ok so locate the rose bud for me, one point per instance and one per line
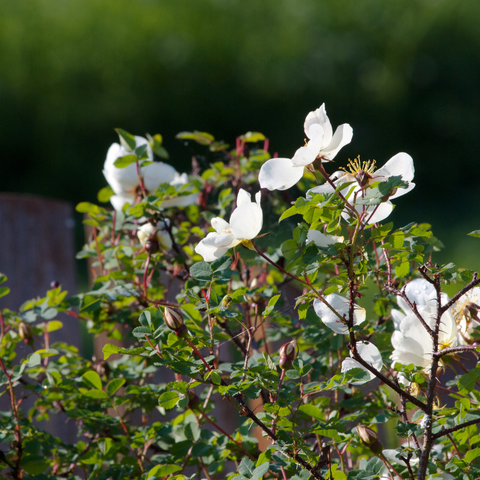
(25, 333)
(174, 321)
(288, 353)
(370, 438)
(193, 400)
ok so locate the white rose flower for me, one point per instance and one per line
(341, 306)
(413, 344)
(125, 183)
(283, 173)
(245, 223)
(363, 175)
(370, 353)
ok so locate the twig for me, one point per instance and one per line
(447, 431)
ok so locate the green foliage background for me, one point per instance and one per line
(405, 75)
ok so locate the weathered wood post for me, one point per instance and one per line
(37, 248)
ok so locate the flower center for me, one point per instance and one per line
(362, 171)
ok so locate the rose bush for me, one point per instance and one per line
(303, 317)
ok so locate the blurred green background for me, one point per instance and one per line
(404, 74)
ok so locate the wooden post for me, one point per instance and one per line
(37, 248)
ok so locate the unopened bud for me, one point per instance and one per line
(54, 284)
(257, 298)
(288, 353)
(370, 438)
(226, 301)
(193, 400)
(174, 321)
(25, 331)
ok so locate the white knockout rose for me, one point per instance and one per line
(284, 173)
(126, 185)
(245, 223)
(362, 175)
(340, 305)
(370, 353)
(155, 234)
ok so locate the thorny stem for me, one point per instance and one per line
(199, 355)
(140, 179)
(448, 431)
(97, 248)
(412, 305)
(280, 381)
(329, 180)
(460, 348)
(475, 281)
(388, 465)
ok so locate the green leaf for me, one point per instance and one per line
(472, 455)
(168, 400)
(123, 162)
(34, 359)
(140, 332)
(202, 138)
(402, 269)
(253, 137)
(201, 270)
(192, 431)
(221, 263)
(145, 318)
(92, 379)
(312, 411)
(475, 233)
(54, 325)
(271, 304)
(3, 278)
(33, 465)
(97, 394)
(467, 381)
(163, 470)
(246, 467)
(260, 471)
(288, 213)
(114, 385)
(126, 139)
(216, 378)
(104, 194)
(4, 291)
(90, 208)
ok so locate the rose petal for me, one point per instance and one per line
(279, 174)
(220, 225)
(157, 173)
(342, 136)
(208, 252)
(243, 197)
(341, 306)
(246, 221)
(318, 117)
(322, 240)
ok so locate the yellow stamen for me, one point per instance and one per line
(355, 166)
